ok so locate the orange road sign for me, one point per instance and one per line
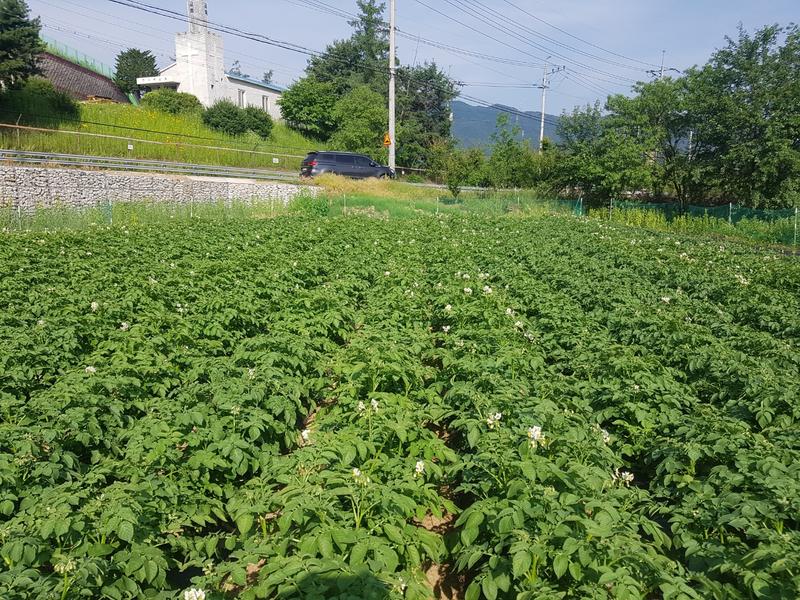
(387, 140)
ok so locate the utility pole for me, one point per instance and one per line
(663, 56)
(544, 86)
(392, 84)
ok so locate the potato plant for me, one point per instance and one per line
(546, 407)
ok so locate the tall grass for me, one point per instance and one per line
(144, 125)
(132, 214)
(776, 231)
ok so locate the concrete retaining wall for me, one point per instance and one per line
(29, 188)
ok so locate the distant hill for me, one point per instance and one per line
(473, 125)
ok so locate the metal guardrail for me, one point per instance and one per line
(24, 157)
(139, 165)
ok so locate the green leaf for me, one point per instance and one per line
(393, 533)
(473, 591)
(325, 545)
(560, 564)
(125, 531)
(358, 553)
(473, 436)
(489, 587)
(521, 564)
(244, 523)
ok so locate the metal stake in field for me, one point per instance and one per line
(392, 84)
(795, 226)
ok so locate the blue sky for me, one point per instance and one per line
(609, 30)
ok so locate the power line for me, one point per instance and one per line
(142, 6)
(494, 20)
(163, 53)
(514, 23)
(522, 10)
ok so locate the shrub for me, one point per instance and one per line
(309, 206)
(258, 121)
(226, 117)
(37, 102)
(169, 101)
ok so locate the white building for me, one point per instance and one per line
(200, 69)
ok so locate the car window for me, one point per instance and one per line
(311, 156)
(362, 161)
(345, 159)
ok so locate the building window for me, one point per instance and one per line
(265, 103)
(241, 98)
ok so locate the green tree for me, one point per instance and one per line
(463, 167)
(424, 92)
(259, 121)
(360, 118)
(19, 43)
(308, 106)
(657, 117)
(360, 59)
(172, 102)
(511, 161)
(132, 64)
(744, 107)
(601, 159)
(226, 117)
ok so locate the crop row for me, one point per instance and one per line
(552, 408)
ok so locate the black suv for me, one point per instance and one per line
(348, 164)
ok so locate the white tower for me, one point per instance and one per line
(197, 10)
(200, 56)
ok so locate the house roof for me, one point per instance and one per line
(267, 86)
(77, 81)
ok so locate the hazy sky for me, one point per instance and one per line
(614, 35)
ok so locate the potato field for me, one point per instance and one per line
(469, 407)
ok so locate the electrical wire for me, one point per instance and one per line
(636, 60)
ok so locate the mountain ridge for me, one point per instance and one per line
(473, 125)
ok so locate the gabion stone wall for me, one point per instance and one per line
(29, 188)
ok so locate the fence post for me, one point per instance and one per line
(730, 213)
(795, 226)
(610, 209)
(19, 215)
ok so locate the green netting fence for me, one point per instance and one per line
(79, 58)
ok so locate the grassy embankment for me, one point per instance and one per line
(180, 138)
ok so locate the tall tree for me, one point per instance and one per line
(360, 118)
(657, 117)
(132, 64)
(308, 106)
(424, 92)
(361, 59)
(745, 108)
(19, 43)
(600, 157)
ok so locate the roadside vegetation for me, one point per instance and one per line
(176, 124)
